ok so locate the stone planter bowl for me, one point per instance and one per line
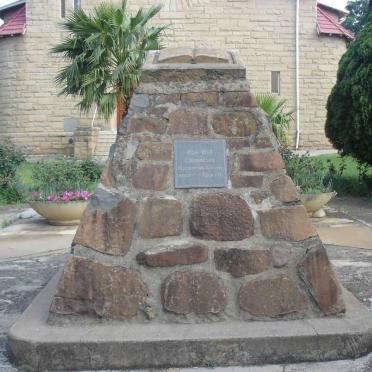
(60, 213)
(314, 203)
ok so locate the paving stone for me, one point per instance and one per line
(172, 256)
(241, 262)
(290, 223)
(284, 189)
(221, 216)
(234, 124)
(108, 231)
(160, 217)
(188, 123)
(185, 292)
(239, 99)
(154, 151)
(261, 161)
(317, 272)
(271, 297)
(151, 177)
(147, 124)
(239, 181)
(91, 288)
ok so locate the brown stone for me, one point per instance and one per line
(263, 142)
(91, 288)
(160, 217)
(271, 297)
(317, 273)
(172, 256)
(284, 190)
(246, 181)
(188, 122)
(185, 292)
(241, 262)
(151, 177)
(259, 196)
(167, 98)
(203, 98)
(207, 55)
(154, 151)
(261, 161)
(290, 223)
(147, 124)
(234, 124)
(239, 99)
(238, 143)
(281, 255)
(221, 216)
(107, 230)
(176, 55)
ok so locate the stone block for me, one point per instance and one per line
(207, 55)
(241, 262)
(318, 275)
(188, 123)
(290, 223)
(90, 288)
(154, 151)
(160, 217)
(146, 124)
(261, 161)
(239, 181)
(203, 98)
(271, 297)
(281, 255)
(151, 177)
(187, 254)
(221, 216)
(176, 55)
(185, 292)
(108, 231)
(239, 99)
(284, 190)
(234, 124)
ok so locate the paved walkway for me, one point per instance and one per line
(31, 252)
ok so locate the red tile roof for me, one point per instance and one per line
(15, 23)
(329, 26)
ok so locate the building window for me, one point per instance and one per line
(63, 8)
(76, 4)
(275, 82)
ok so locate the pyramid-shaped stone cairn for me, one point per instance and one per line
(195, 219)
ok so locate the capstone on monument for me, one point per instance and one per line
(195, 238)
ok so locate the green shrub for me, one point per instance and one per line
(349, 106)
(309, 174)
(280, 118)
(58, 176)
(10, 160)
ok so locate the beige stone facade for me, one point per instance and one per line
(33, 115)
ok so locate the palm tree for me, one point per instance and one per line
(275, 110)
(105, 51)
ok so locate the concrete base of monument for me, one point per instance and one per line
(36, 345)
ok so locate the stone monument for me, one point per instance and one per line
(195, 247)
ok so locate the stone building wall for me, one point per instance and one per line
(31, 113)
(264, 33)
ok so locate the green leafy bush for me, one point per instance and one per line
(349, 106)
(58, 176)
(309, 174)
(280, 118)
(10, 160)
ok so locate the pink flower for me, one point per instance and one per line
(85, 195)
(55, 198)
(49, 197)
